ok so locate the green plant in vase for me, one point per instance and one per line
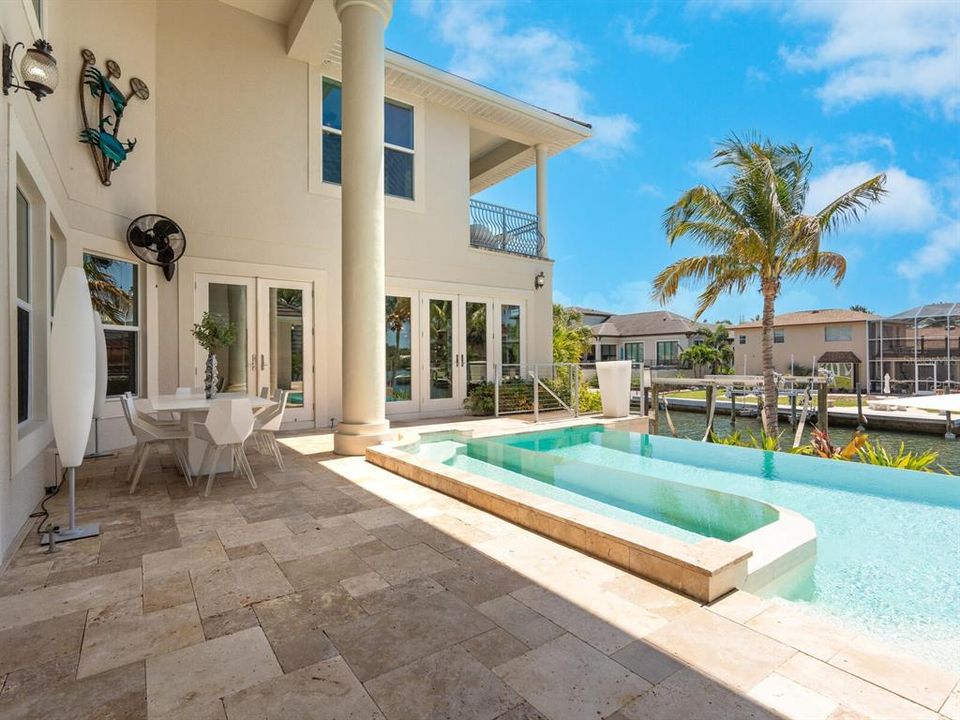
(212, 333)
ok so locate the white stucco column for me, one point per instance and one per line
(362, 25)
(541, 153)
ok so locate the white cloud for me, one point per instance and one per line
(650, 190)
(756, 75)
(935, 256)
(902, 49)
(651, 44)
(537, 64)
(422, 8)
(908, 206)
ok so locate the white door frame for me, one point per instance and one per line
(292, 416)
(202, 305)
(453, 402)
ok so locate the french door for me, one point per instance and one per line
(457, 348)
(274, 345)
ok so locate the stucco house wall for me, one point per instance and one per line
(802, 343)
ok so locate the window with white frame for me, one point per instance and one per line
(837, 333)
(778, 336)
(24, 308)
(114, 292)
(398, 146)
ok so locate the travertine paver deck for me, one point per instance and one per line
(339, 590)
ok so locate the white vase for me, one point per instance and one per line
(614, 377)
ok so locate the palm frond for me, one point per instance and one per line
(849, 206)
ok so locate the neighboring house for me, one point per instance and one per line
(240, 143)
(655, 338)
(918, 348)
(801, 338)
(591, 316)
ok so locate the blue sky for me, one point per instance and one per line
(872, 86)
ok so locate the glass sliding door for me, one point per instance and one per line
(398, 334)
(510, 341)
(441, 355)
(285, 340)
(476, 343)
(233, 299)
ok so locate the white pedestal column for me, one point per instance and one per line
(364, 422)
(541, 155)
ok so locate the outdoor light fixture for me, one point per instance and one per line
(540, 280)
(38, 69)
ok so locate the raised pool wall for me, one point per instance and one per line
(705, 570)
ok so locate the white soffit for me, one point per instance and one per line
(278, 11)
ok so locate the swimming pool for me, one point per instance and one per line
(888, 541)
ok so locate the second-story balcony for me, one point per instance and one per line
(503, 229)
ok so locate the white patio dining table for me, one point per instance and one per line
(193, 408)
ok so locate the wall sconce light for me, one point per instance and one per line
(539, 281)
(38, 68)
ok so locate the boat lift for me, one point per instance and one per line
(804, 387)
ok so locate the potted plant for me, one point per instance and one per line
(213, 332)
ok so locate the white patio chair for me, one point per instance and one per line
(148, 435)
(266, 425)
(229, 423)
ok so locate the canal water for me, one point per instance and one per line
(692, 425)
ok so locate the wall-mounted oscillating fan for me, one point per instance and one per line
(158, 240)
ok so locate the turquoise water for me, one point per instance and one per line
(888, 541)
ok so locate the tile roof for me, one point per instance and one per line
(812, 317)
(657, 322)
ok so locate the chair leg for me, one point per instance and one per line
(139, 469)
(242, 456)
(183, 461)
(135, 458)
(203, 460)
(213, 470)
(276, 450)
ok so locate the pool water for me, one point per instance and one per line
(888, 541)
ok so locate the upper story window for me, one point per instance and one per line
(743, 339)
(398, 146)
(778, 336)
(837, 333)
(114, 292)
(24, 308)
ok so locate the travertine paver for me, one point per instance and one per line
(689, 695)
(245, 533)
(238, 583)
(40, 642)
(409, 563)
(30, 607)
(567, 679)
(194, 675)
(336, 572)
(519, 620)
(447, 684)
(121, 633)
(792, 700)
(379, 643)
(915, 680)
(323, 691)
(295, 624)
(192, 558)
(729, 652)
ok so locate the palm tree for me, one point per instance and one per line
(106, 295)
(756, 232)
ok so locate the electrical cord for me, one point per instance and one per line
(43, 513)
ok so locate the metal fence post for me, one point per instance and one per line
(536, 393)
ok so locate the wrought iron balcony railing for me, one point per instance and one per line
(493, 227)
